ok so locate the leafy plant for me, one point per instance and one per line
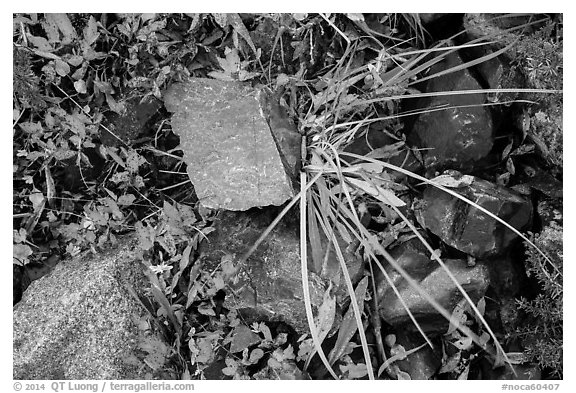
(542, 335)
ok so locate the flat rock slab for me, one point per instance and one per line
(79, 322)
(228, 147)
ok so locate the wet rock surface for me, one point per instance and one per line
(80, 321)
(434, 280)
(459, 135)
(271, 281)
(468, 229)
(231, 156)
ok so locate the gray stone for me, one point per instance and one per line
(434, 280)
(466, 228)
(270, 281)
(79, 321)
(460, 135)
(285, 133)
(230, 153)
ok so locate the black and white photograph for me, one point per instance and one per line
(286, 196)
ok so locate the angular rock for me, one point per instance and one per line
(79, 321)
(434, 280)
(468, 229)
(230, 153)
(285, 133)
(460, 135)
(270, 281)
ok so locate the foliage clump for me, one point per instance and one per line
(542, 335)
(539, 58)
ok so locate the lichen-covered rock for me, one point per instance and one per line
(459, 135)
(468, 229)
(230, 153)
(80, 322)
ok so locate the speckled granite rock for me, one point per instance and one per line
(79, 322)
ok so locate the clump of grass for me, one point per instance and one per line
(335, 183)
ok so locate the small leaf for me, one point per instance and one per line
(64, 25)
(383, 195)
(507, 150)
(126, 200)
(50, 187)
(238, 26)
(355, 17)
(38, 200)
(451, 180)
(221, 20)
(75, 60)
(91, 31)
(265, 330)
(510, 166)
(243, 338)
(21, 252)
(326, 313)
(80, 86)
(349, 326)
(256, 355)
(41, 44)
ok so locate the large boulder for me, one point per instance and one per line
(81, 322)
